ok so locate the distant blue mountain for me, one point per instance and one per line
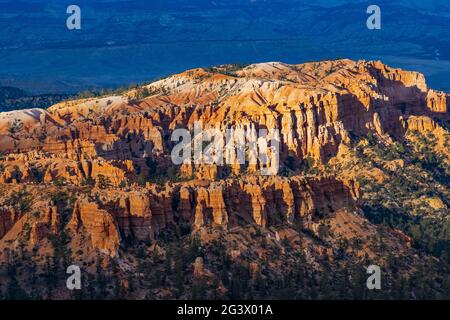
(124, 42)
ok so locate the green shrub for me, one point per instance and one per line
(20, 199)
(103, 182)
(59, 182)
(37, 174)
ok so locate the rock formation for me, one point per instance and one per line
(99, 170)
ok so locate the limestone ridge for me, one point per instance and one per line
(100, 150)
(316, 107)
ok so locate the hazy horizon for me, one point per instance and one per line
(126, 42)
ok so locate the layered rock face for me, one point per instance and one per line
(8, 217)
(113, 143)
(264, 201)
(315, 107)
(99, 224)
(114, 216)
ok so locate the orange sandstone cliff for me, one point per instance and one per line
(99, 169)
